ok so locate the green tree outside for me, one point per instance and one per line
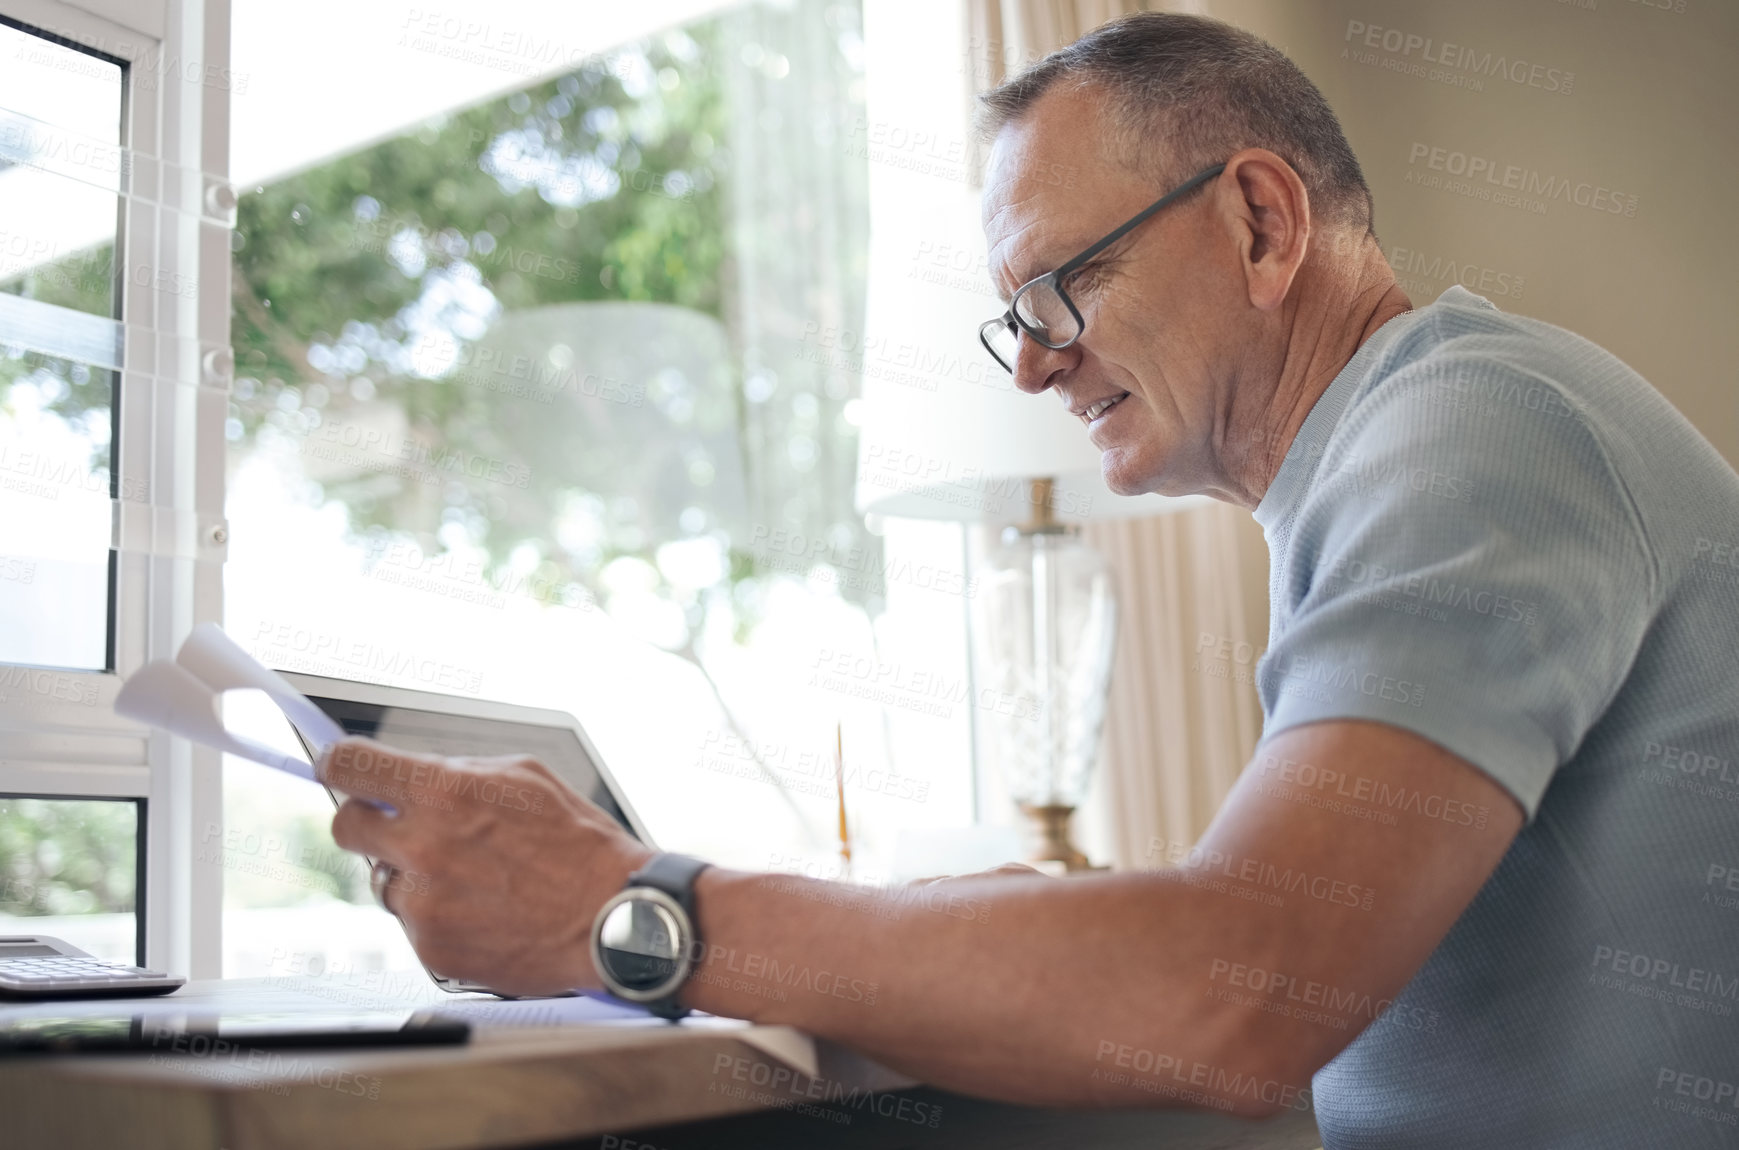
(365, 285)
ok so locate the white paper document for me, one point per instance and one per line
(181, 696)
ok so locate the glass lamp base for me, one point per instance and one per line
(1044, 626)
(1052, 823)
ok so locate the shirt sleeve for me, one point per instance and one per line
(1466, 564)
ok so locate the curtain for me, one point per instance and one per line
(1183, 717)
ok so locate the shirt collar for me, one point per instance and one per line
(1299, 466)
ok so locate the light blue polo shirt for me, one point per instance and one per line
(1493, 533)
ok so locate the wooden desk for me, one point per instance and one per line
(973, 1124)
(527, 1079)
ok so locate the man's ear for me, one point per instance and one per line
(1271, 218)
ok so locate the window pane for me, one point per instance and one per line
(68, 870)
(57, 242)
(57, 235)
(55, 487)
(548, 399)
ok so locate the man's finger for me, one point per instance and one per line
(366, 769)
(368, 830)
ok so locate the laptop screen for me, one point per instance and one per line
(435, 732)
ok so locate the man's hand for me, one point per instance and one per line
(502, 867)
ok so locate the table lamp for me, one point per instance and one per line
(1045, 608)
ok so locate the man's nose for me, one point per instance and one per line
(1036, 367)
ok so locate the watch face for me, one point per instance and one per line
(640, 944)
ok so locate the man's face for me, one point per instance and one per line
(1159, 305)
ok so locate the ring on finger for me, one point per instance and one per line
(379, 880)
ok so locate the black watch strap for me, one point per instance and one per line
(674, 875)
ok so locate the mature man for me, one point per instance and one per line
(1466, 880)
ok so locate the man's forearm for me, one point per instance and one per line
(1229, 979)
(1032, 989)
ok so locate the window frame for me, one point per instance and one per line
(63, 739)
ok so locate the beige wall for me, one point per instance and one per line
(1636, 97)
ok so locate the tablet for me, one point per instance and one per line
(450, 725)
(125, 1030)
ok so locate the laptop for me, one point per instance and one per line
(454, 725)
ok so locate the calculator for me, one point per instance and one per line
(37, 966)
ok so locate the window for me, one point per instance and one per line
(68, 867)
(114, 362)
(60, 125)
(539, 399)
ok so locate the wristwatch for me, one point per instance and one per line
(644, 940)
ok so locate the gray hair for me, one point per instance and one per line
(1186, 92)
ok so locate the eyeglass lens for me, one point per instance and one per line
(1002, 340)
(1044, 314)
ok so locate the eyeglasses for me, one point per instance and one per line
(1041, 307)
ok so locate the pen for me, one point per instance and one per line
(839, 785)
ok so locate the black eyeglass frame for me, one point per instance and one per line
(1011, 320)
